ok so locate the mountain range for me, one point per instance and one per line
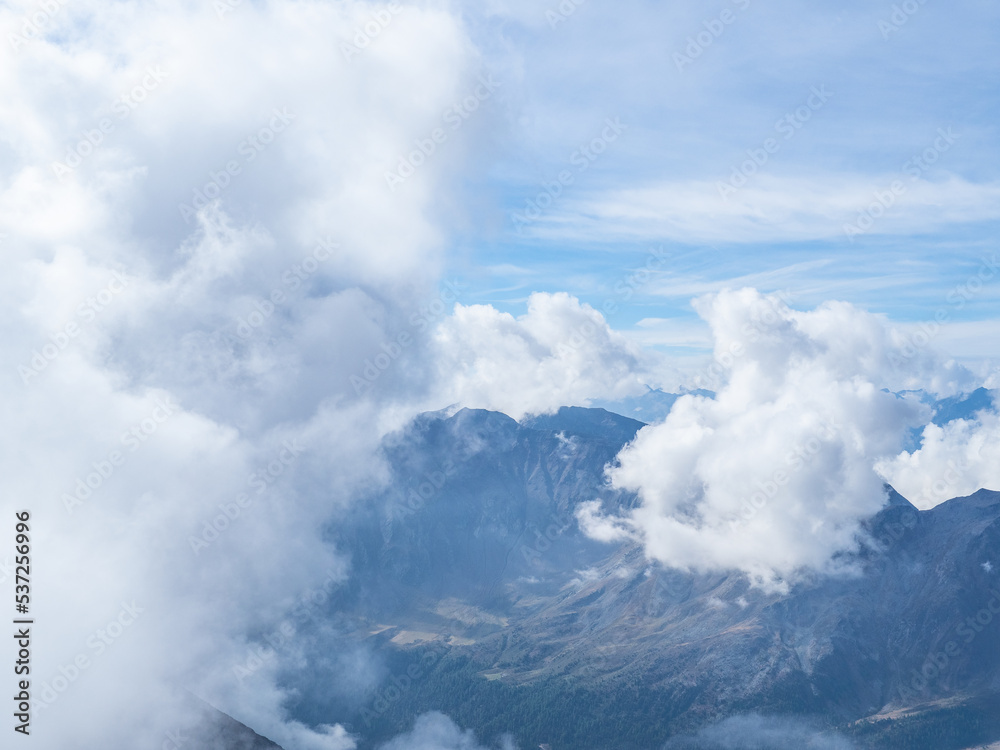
(474, 593)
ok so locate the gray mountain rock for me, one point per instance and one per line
(472, 556)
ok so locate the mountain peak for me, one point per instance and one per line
(586, 422)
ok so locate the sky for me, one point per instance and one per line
(245, 241)
(698, 101)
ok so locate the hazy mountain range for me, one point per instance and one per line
(474, 593)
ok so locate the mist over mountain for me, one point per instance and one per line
(511, 374)
(474, 592)
(651, 406)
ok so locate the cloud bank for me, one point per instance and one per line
(776, 472)
(202, 249)
(954, 460)
(754, 732)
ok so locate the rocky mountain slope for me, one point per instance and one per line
(476, 594)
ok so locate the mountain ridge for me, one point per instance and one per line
(490, 574)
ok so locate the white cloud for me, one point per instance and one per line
(435, 731)
(560, 352)
(776, 472)
(172, 332)
(953, 460)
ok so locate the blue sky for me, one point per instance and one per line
(893, 89)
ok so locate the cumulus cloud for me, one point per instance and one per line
(953, 460)
(754, 732)
(560, 352)
(202, 248)
(435, 731)
(775, 473)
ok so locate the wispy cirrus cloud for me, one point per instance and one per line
(774, 209)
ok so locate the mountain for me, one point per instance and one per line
(474, 593)
(960, 406)
(212, 729)
(225, 733)
(652, 406)
(476, 497)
